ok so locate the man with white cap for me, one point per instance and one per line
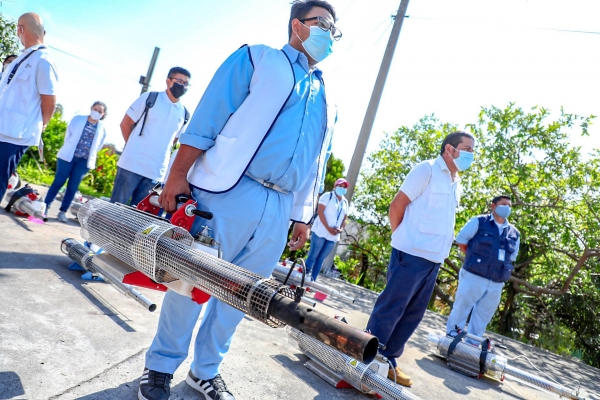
(329, 224)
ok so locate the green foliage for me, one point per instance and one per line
(556, 206)
(335, 170)
(9, 42)
(30, 172)
(103, 177)
(98, 182)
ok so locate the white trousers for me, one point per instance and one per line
(478, 294)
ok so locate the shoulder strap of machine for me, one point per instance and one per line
(150, 101)
(485, 347)
(457, 339)
(24, 191)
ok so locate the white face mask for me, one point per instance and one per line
(95, 115)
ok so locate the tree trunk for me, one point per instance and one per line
(364, 266)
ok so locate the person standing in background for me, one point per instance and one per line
(85, 137)
(27, 97)
(150, 127)
(327, 227)
(490, 244)
(422, 217)
(7, 61)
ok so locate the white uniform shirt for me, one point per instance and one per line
(427, 230)
(148, 154)
(335, 211)
(20, 101)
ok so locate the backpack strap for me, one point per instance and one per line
(150, 101)
(186, 117)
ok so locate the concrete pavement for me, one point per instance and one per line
(64, 338)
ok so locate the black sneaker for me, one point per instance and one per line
(212, 389)
(155, 385)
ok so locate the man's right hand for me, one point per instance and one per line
(175, 185)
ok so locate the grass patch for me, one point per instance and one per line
(30, 173)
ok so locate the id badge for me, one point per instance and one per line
(501, 254)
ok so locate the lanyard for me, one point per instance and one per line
(341, 208)
(16, 67)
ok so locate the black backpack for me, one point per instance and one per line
(149, 104)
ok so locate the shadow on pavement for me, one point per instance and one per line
(297, 368)
(59, 265)
(10, 385)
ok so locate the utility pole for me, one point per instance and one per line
(367, 126)
(145, 80)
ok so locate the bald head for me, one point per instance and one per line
(31, 29)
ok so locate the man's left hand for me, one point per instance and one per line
(299, 236)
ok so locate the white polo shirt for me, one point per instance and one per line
(148, 154)
(335, 211)
(427, 230)
(20, 101)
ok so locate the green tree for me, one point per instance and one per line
(335, 170)
(9, 42)
(556, 202)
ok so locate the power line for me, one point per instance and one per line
(92, 63)
(511, 26)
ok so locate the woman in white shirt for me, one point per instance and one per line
(85, 137)
(329, 223)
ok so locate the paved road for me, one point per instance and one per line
(64, 338)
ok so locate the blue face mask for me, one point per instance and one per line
(340, 191)
(502, 211)
(464, 160)
(319, 44)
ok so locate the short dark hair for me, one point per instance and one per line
(454, 139)
(9, 56)
(496, 199)
(301, 8)
(179, 70)
(99, 103)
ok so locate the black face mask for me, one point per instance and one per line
(177, 90)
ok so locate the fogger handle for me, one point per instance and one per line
(181, 200)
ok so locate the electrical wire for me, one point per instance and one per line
(511, 26)
(536, 368)
(92, 63)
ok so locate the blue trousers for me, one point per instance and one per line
(401, 306)
(129, 185)
(251, 223)
(478, 294)
(10, 155)
(74, 171)
(319, 250)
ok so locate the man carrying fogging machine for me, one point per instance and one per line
(254, 154)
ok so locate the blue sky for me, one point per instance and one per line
(452, 58)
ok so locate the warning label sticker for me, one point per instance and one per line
(149, 229)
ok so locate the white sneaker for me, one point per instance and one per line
(62, 216)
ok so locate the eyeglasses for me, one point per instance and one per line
(181, 82)
(326, 26)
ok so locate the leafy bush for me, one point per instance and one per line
(102, 178)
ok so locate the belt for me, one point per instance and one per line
(268, 185)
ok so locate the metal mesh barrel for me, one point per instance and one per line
(163, 252)
(354, 372)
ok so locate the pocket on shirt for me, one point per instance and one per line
(428, 237)
(439, 195)
(219, 155)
